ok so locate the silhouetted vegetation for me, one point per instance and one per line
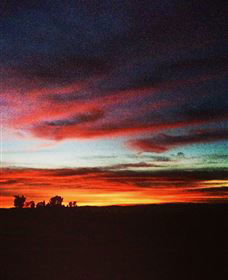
(19, 201)
(40, 204)
(72, 204)
(29, 204)
(55, 201)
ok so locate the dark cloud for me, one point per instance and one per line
(217, 191)
(187, 175)
(150, 157)
(61, 69)
(180, 155)
(75, 172)
(133, 165)
(89, 69)
(78, 119)
(168, 74)
(182, 175)
(205, 114)
(164, 142)
(8, 182)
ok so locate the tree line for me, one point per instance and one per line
(55, 201)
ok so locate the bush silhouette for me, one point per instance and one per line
(29, 204)
(56, 201)
(40, 204)
(19, 201)
(72, 204)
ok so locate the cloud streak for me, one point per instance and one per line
(164, 142)
(140, 185)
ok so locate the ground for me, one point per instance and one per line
(179, 241)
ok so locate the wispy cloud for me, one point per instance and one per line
(164, 142)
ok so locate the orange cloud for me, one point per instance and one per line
(102, 186)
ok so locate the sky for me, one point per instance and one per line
(114, 102)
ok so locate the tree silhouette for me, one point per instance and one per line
(40, 204)
(19, 201)
(72, 204)
(29, 204)
(56, 201)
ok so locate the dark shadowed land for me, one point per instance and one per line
(179, 241)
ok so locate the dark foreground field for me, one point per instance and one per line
(141, 242)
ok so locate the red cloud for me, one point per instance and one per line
(87, 130)
(40, 111)
(100, 186)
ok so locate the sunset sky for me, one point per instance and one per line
(114, 102)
